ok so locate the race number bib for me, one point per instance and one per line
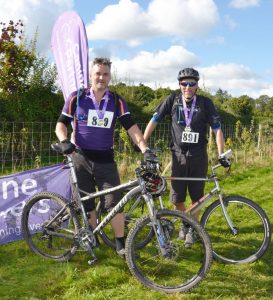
(190, 137)
(94, 121)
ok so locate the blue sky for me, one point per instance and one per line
(229, 41)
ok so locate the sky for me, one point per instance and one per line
(228, 41)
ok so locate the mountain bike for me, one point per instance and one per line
(238, 227)
(56, 228)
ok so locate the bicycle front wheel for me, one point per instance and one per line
(49, 226)
(251, 223)
(181, 268)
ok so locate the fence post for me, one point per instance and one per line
(259, 137)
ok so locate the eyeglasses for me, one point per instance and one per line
(188, 83)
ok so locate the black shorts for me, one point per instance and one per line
(188, 165)
(92, 174)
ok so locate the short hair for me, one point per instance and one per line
(102, 61)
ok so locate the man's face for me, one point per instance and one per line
(188, 88)
(100, 77)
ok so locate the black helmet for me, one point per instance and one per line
(188, 73)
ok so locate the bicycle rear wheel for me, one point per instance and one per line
(49, 226)
(251, 222)
(181, 268)
(133, 211)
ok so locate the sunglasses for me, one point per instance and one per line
(188, 83)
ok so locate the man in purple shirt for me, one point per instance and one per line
(93, 117)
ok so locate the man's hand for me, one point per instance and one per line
(224, 161)
(66, 146)
(149, 156)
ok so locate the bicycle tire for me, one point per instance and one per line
(37, 213)
(182, 269)
(252, 223)
(107, 234)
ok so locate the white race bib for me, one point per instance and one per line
(190, 137)
(94, 121)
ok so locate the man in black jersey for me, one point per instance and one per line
(190, 116)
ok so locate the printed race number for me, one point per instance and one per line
(94, 121)
(190, 137)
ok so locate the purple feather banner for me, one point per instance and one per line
(70, 49)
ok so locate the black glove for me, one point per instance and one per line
(149, 156)
(225, 162)
(66, 146)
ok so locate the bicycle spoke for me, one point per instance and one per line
(252, 226)
(178, 268)
(49, 227)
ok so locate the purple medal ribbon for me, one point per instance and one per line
(100, 112)
(188, 115)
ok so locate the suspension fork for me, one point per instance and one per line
(156, 224)
(230, 224)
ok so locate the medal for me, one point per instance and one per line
(188, 114)
(100, 112)
(100, 122)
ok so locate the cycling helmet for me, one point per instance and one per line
(188, 73)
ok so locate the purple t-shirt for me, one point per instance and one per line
(93, 128)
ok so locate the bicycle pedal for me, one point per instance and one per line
(91, 262)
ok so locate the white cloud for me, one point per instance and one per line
(182, 17)
(125, 20)
(244, 3)
(128, 21)
(236, 79)
(151, 68)
(160, 69)
(36, 15)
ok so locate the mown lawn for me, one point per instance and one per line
(24, 275)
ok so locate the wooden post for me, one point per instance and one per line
(259, 137)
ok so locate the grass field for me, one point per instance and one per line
(24, 275)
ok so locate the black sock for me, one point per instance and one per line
(120, 243)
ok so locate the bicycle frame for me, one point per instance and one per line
(136, 186)
(214, 192)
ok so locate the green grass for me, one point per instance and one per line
(23, 275)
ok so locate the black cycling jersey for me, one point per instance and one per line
(204, 115)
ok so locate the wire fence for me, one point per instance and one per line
(27, 145)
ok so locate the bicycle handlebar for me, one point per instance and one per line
(226, 154)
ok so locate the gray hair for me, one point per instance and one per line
(102, 61)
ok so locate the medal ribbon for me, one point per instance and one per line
(100, 112)
(188, 115)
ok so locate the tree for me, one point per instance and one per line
(241, 107)
(220, 97)
(264, 108)
(16, 60)
(27, 81)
